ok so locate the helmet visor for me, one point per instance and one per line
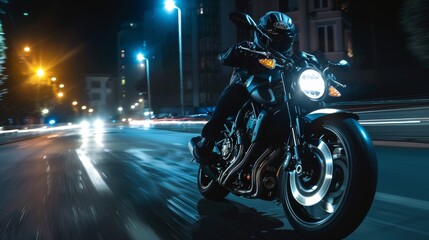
(282, 44)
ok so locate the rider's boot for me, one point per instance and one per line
(203, 151)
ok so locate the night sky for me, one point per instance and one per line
(77, 37)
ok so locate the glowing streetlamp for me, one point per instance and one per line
(170, 5)
(40, 72)
(140, 58)
(45, 111)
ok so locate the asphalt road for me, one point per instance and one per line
(136, 183)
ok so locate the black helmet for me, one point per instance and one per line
(280, 28)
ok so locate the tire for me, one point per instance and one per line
(209, 188)
(331, 201)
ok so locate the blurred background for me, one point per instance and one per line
(66, 60)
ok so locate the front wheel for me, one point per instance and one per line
(330, 193)
(209, 188)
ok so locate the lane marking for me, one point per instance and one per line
(137, 229)
(404, 201)
(93, 174)
(400, 226)
(387, 121)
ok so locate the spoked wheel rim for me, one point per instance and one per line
(309, 184)
(317, 192)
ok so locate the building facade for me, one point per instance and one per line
(205, 32)
(323, 29)
(99, 94)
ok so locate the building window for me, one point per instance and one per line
(290, 5)
(95, 96)
(95, 84)
(123, 82)
(320, 4)
(326, 38)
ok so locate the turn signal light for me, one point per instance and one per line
(333, 92)
(268, 63)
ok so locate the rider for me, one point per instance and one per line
(280, 28)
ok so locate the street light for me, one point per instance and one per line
(40, 72)
(170, 5)
(140, 58)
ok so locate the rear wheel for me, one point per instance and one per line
(330, 193)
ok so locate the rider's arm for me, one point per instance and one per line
(234, 57)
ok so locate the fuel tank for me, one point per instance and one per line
(266, 88)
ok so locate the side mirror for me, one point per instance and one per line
(341, 65)
(243, 20)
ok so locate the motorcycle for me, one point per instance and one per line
(285, 145)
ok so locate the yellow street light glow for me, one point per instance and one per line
(60, 94)
(74, 103)
(40, 72)
(61, 85)
(27, 49)
(83, 107)
(53, 79)
(90, 110)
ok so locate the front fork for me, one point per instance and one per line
(293, 160)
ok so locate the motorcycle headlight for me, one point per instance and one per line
(312, 84)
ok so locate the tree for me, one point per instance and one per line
(415, 20)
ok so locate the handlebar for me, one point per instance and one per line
(286, 62)
(265, 54)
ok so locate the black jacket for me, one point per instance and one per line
(244, 63)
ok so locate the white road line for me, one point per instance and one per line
(139, 230)
(375, 122)
(404, 201)
(93, 174)
(399, 226)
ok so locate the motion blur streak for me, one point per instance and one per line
(388, 121)
(41, 129)
(93, 174)
(398, 226)
(165, 122)
(410, 202)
